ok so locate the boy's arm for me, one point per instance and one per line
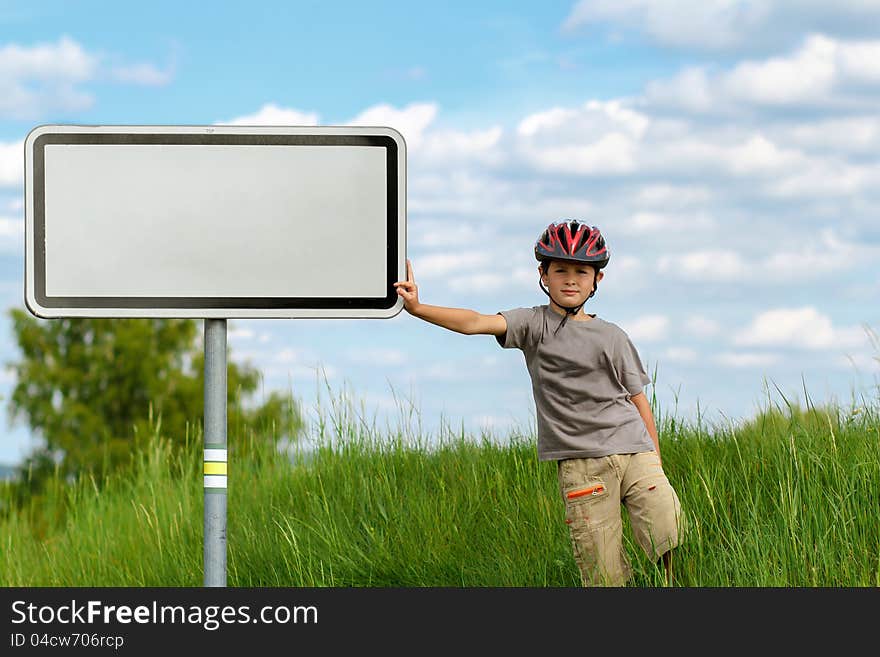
(644, 408)
(461, 320)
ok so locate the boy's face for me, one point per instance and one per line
(564, 277)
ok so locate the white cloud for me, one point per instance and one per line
(285, 356)
(614, 153)
(627, 265)
(480, 282)
(708, 24)
(432, 234)
(825, 254)
(860, 61)
(546, 120)
(806, 75)
(700, 326)
(240, 333)
(483, 282)
(689, 90)
(647, 329)
(11, 234)
(725, 24)
(759, 155)
(272, 114)
(851, 336)
(668, 222)
(812, 258)
(441, 264)
(599, 137)
(12, 164)
(553, 207)
(411, 121)
(867, 287)
(456, 192)
(668, 194)
(679, 354)
(438, 147)
(526, 276)
(624, 277)
(65, 60)
(448, 145)
(822, 71)
(802, 327)
(712, 265)
(726, 153)
(143, 74)
(47, 77)
(828, 178)
(848, 134)
(863, 362)
(610, 139)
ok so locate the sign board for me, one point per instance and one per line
(214, 221)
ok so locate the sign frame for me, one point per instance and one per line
(354, 307)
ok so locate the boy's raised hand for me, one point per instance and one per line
(408, 290)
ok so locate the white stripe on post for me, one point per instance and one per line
(215, 455)
(215, 481)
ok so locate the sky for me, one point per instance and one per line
(726, 149)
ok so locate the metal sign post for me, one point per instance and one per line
(213, 223)
(215, 452)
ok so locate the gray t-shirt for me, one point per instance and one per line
(582, 379)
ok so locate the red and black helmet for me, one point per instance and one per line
(573, 241)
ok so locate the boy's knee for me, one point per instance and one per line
(657, 519)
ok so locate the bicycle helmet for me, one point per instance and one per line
(572, 241)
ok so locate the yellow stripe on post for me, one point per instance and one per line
(215, 468)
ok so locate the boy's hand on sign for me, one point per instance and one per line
(408, 290)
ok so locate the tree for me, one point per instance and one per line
(89, 386)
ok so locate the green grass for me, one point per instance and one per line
(790, 498)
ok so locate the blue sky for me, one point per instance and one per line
(727, 150)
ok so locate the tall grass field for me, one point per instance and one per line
(789, 498)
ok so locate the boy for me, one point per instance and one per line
(593, 417)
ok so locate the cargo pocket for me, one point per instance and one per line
(584, 493)
(579, 503)
(587, 517)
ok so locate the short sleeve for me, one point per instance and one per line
(519, 323)
(629, 366)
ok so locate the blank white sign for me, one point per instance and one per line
(138, 221)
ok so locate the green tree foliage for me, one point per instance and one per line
(93, 389)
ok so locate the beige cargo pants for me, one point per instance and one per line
(593, 490)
